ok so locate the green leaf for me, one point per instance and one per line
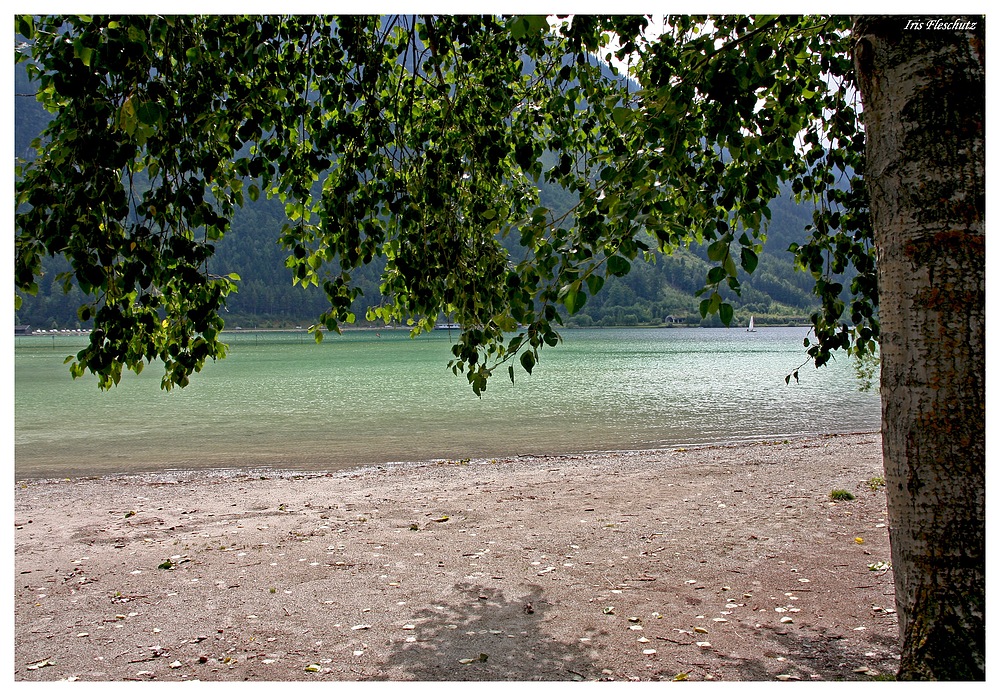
(618, 266)
(718, 250)
(505, 323)
(537, 24)
(25, 26)
(748, 259)
(621, 115)
(150, 113)
(522, 26)
(726, 313)
(528, 361)
(715, 300)
(84, 54)
(595, 283)
(730, 267)
(573, 298)
(127, 116)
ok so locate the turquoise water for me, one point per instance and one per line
(281, 400)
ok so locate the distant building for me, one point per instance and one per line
(671, 319)
(22, 330)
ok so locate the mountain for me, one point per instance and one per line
(267, 298)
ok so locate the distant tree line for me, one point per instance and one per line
(776, 292)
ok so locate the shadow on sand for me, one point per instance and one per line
(486, 636)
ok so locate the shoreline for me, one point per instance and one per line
(279, 470)
(717, 562)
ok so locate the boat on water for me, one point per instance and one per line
(750, 325)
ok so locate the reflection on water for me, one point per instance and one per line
(281, 400)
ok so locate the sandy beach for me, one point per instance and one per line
(726, 563)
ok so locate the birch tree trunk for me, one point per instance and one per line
(923, 87)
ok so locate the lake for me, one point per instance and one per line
(280, 400)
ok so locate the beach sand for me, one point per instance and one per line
(711, 563)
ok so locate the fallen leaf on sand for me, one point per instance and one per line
(483, 657)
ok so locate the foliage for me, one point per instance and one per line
(876, 482)
(419, 142)
(866, 369)
(841, 494)
(775, 292)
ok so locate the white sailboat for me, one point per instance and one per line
(750, 325)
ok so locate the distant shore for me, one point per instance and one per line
(704, 563)
(761, 323)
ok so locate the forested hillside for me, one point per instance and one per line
(648, 295)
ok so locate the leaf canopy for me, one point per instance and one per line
(421, 141)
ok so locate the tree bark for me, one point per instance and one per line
(923, 88)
